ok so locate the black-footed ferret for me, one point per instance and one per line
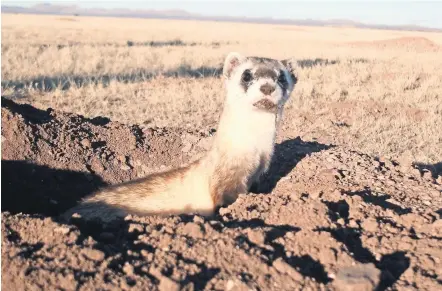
(257, 89)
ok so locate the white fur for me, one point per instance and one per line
(245, 141)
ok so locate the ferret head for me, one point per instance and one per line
(259, 84)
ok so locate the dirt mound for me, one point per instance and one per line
(324, 218)
(412, 44)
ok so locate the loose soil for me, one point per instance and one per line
(323, 218)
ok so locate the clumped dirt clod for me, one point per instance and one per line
(324, 217)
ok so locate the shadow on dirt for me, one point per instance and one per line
(305, 265)
(37, 116)
(118, 239)
(309, 267)
(435, 169)
(28, 112)
(392, 265)
(379, 200)
(287, 155)
(34, 189)
(337, 210)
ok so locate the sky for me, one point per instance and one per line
(392, 12)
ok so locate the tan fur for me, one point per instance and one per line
(241, 153)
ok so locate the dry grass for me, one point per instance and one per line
(377, 91)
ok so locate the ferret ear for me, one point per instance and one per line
(292, 66)
(232, 61)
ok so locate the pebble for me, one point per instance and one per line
(125, 167)
(341, 221)
(198, 219)
(136, 228)
(363, 277)
(236, 285)
(166, 284)
(93, 254)
(86, 143)
(128, 269)
(224, 210)
(281, 266)
(256, 237)
(193, 230)
(370, 225)
(62, 229)
(290, 235)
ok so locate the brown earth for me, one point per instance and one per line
(324, 218)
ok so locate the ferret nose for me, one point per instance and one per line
(267, 89)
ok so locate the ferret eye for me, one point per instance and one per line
(282, 80)
(247, 76)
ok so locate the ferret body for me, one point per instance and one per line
(257, 89)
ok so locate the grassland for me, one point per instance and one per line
(376, 91)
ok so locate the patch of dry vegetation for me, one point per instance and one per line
(377, 91)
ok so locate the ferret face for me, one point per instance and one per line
(258, 83)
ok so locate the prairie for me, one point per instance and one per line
(363, 214)
(376, 91)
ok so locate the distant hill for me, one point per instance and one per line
(52, 9)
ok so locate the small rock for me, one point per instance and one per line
(128, 269)
(224, 210)
(62, 230)
(167, 284)
(148, 256)
(290, 235)
(332, 173)
(410, 219)
(256, 237)
(193, 230)
(353, 223)
(97, 165)
(281, 266)
(86, 143)
(76, 216)
(198, 219)
(364, 277)
(236, 285)
(341, 221)
(135, 228)
(168, 229)
(370, 225)
(125, 167)
(93, 255)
